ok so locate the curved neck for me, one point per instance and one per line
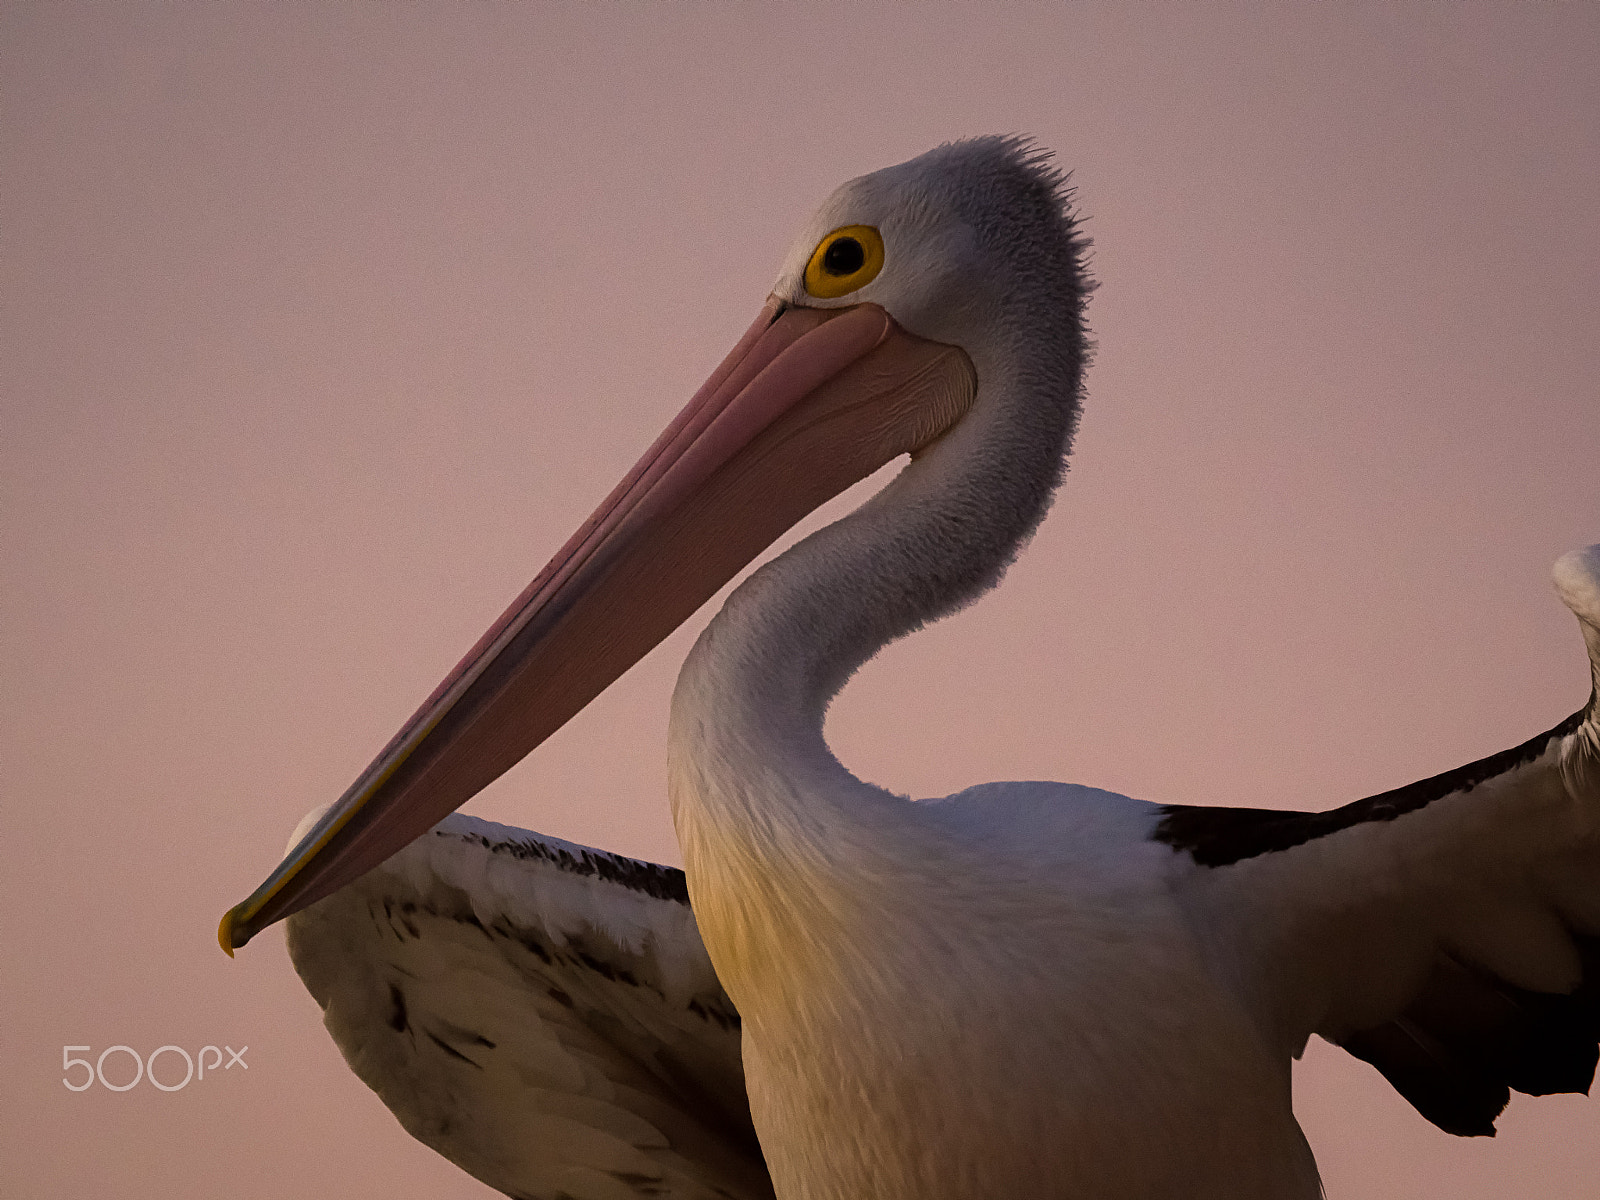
(753, 694)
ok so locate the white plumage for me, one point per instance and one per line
(542, 1014)
(1024, 989)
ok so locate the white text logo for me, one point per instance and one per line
(120, 1080)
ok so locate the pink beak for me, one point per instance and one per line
(808, 402)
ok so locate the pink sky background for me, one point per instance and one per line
(325, 324)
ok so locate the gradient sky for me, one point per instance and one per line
(324, 324)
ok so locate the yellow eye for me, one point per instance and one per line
(847, 259)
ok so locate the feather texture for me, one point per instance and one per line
(540, 1013)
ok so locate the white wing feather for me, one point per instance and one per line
(542, 1014)
(1447, 932)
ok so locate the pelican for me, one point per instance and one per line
(1024, 989)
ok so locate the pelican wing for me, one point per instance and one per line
(542, 1014)
(1447, 932)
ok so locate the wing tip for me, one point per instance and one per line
(1576, 575)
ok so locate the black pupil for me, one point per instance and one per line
(845, 257)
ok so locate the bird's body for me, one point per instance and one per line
(1024, 989)
(944, 967)
(995, 994)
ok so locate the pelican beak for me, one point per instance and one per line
(808, 402)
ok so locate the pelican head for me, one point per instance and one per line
(933, 308)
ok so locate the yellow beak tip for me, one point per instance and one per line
(225, 931)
